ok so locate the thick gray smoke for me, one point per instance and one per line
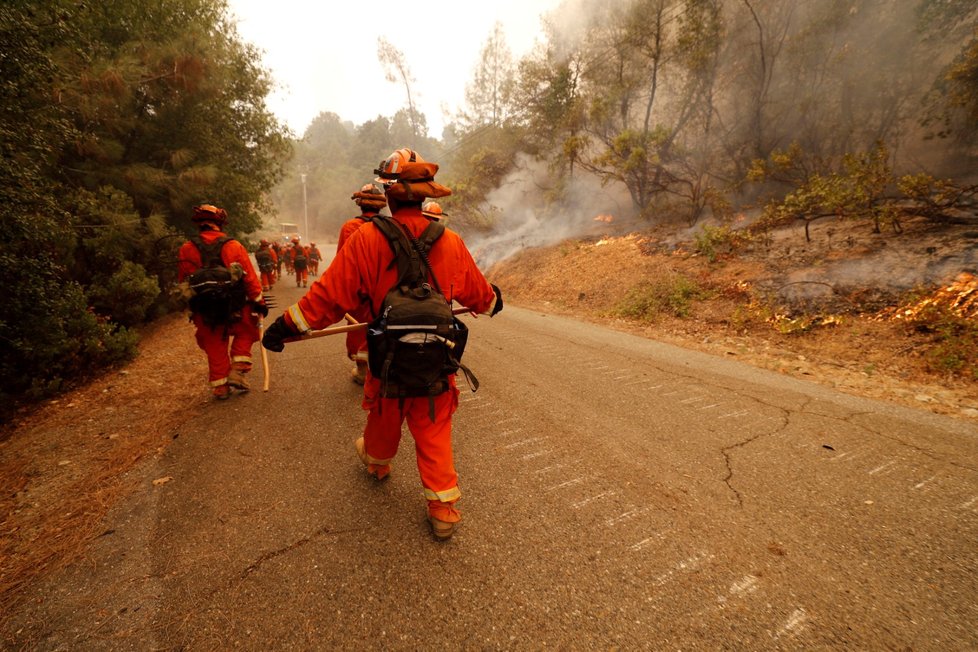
(525, 220)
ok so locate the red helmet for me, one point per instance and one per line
(210, 213)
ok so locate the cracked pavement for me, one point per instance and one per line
(617, 493)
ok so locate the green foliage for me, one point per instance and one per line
(673, 295)
(953, 349)
(713, 241)
(126, 295)
(115, 119)
(862, 187)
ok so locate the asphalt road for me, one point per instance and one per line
(617, 493)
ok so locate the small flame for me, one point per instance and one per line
(960, 297)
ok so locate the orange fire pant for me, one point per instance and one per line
(224, 344)
(432, 440)
(267, 279)
(301, 276)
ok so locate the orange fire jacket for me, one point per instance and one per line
(362, 271)
(350, 226)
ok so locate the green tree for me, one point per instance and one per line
(396, 70)
(116, 118)
(488, 95)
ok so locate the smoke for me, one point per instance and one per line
(526, 220)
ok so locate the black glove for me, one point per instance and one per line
(259, 308)
(498, 306)
(276, 333)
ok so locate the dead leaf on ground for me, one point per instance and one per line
(158, 481)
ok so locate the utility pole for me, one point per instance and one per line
(305, 210)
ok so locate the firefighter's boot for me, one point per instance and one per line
(378, 471)
(221, 392)
(359, 372)
(236, 378)
(444, 519)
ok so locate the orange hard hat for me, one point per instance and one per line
(433, 210)
(390, 169)
(210, 213)
(369, 196)
(408, 177)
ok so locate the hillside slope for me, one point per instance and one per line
(821, 310)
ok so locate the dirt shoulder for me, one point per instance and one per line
(63, 464)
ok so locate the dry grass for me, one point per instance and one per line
(63, 465)
(854, 352)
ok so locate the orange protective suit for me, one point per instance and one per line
(241, 335)
(356, 341)
(268, 278)
(301, 275)
(362, 269)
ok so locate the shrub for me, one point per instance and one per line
(711, 241)
(673, 295)
(126, 295)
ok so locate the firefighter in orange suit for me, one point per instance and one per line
(300, 263)
(267, 262)
(228, 346)
(371, 200)
(364, 267)
(315, 255)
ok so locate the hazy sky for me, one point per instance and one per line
(323, 55)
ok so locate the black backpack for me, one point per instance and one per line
(264, 259)
(415, 342)
(299, 262)
(218, 295)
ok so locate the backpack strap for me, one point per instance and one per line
(210, 254)
(410, 253)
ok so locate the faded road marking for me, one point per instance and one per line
(923, 482)
(690, 563)
(567, 483)
(739, 413)
(794, 625)
(552, 467)
(524, 442)
(627, 516)
(590, 499)
(882, 467)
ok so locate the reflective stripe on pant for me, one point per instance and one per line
(432, 441)
(214, 341)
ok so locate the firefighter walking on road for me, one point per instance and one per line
(267, 261)
(300, 263)
(226, 300)
(365, 267)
